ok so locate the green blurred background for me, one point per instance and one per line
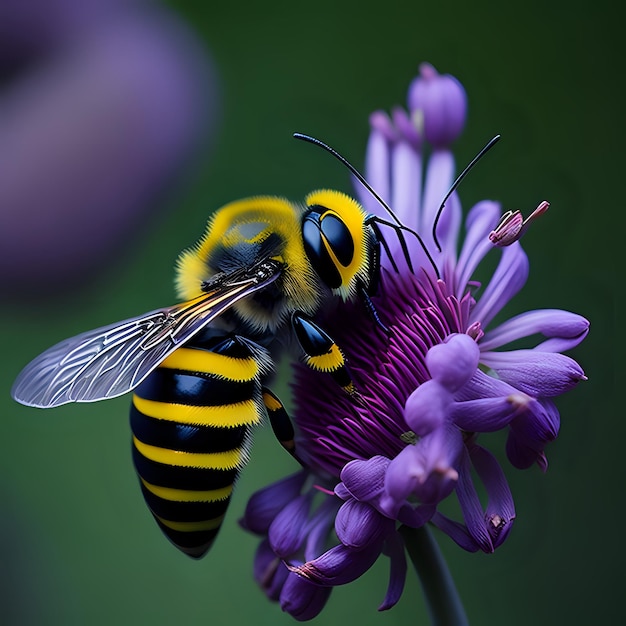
(78, 545)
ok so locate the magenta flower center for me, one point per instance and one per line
(420, 313)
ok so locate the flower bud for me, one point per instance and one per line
(439, 103)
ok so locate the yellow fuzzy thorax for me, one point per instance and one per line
(243, 224)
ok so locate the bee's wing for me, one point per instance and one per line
(109, 361)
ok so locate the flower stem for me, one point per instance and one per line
(444, 603)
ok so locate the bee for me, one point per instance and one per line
(198, 370)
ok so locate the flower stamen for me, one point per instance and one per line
(512, 226)
(409, 437)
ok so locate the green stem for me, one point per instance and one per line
(444, 603)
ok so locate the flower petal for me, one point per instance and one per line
(500, 511)
(548, 322)
(560, 344)
(339, 565)
(377, 159)
(266, 503)
(319, 527)
(365, 479)
(427, 407)
(453, 362)
(269, 571)
(456, 531)
(471, 508)
(394, 549)
(406, 471)
(479, 222)
(406, 164)
(536, 373)
(358, 525)
(522, 452)
(486, 415)
(302, 599)
(509, 277)
(425, 470)
(448, 229)
(529, 433)
(482, 385)
(439, 177)
(539, 422)
(406, 128)
(288, 530)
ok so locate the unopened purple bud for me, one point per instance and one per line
(453, 362)
(440, 103)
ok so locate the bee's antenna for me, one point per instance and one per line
(398, 225)
(457, 182)
(353, 169)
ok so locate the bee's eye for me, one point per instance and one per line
(327, 242)
(339, 238)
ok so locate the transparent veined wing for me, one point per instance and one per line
(109, 361)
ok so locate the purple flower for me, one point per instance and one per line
(106, 102)
(429, 387)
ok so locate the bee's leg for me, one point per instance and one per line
(280, 421)
(321, 353)
(371, 309)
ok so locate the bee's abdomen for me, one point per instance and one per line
(190, 421)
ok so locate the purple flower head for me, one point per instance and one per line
(107, 101)
(439, 377)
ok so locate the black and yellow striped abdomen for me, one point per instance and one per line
(190, 421)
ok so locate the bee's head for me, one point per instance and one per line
(339, 244)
